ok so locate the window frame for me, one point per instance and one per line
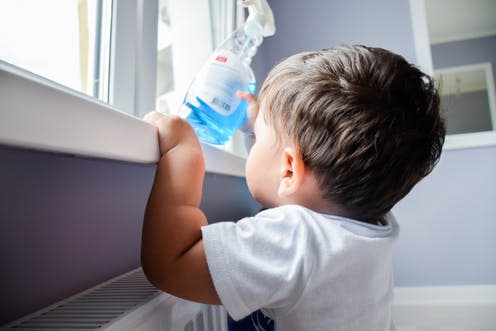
(40, 114)
(133, 68)
(424, 60)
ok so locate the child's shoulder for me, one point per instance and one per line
(291, 219)
(290, 209)
(289, 214)
(299, 216)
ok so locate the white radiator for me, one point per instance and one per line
(126, 303)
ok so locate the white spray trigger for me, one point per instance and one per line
(260, 12)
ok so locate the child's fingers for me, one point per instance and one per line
(150, 117)
(153, 117)
(249, 97)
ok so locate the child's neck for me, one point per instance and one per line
(330, 208)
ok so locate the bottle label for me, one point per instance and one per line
(220, 79)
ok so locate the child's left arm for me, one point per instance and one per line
(172, 251)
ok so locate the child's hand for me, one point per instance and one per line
(172, 130)
(252, 110)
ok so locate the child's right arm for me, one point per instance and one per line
(172, 252)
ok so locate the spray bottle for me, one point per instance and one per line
(215, 110)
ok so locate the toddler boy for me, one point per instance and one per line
(341, 135)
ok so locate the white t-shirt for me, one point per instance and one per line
(305, 270)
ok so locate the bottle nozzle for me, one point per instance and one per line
(260, 12)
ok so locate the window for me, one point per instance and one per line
(184, 43)
(66, 41)
(57, 56)
(468, 97)
(188, 32)
(454, 42)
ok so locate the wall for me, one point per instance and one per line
(316, 24)
(465, 52)
(448, 219)
(69, 223)
(448, 223)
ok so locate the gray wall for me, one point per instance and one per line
(469, 51)
(448, 223)
(69, 223)
(316, 24)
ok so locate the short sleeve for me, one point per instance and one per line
(258, 262)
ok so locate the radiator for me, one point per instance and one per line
(125, 303)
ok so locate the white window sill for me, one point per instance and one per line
(41, 115)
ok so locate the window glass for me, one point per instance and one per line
(165, 67)
(186, 35)
(188, 31)
(66, 41)
(467, 97)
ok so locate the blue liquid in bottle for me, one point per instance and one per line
(216, 111)
(212, 127)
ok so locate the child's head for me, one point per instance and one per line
(364, 120)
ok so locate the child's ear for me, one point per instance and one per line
(291, 172)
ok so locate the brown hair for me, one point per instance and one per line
(365, 121)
